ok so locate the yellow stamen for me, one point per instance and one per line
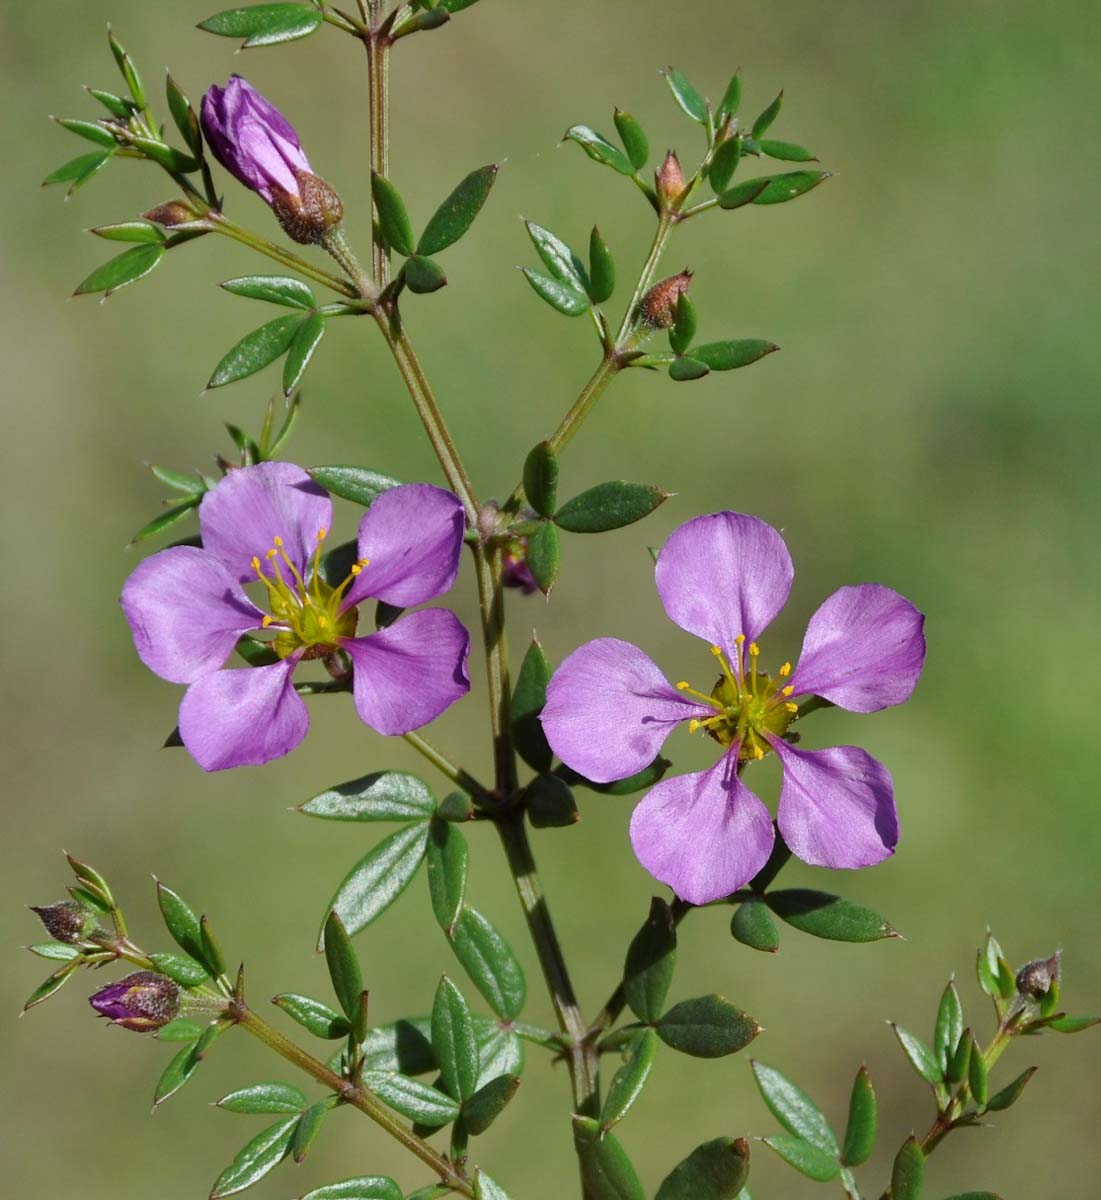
(754, 649)
(710, 701)
(792, 708)
(786, 691)
(266, 622)
(758, 753)
(740, 639)
(785, 670)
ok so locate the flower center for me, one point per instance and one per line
(305, 614)
(747, 702)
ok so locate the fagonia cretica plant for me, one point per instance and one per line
(258, 612)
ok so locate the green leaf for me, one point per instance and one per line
(684, 370)
(417, 1101)
(605, 1168)
(601, 269)
(767, 117)
(861, 1127)
(131, 231)
(1072, 1024)
(276, 289)
(787, 151)
(447, 857)
(423, 275)
(959, 1063)
(115, 105)
(744, 193)
(79, 170)
(684, 324)
(182, 923)
(550, 803)
(489, 961)
(545, 556)
(908, 1171)
(686, 96)
(265, 1152)
(406, 1046)
(560, 296)
(165, 520)
(484, 1187)
(187, 122)
(782, 188)
(528, 700)
(922, 1059)
(453, 1041)
(651, 959)
(168, 157)
(456, 214)
(182, 1029)
(309, 1126)
(488, 1102)
(753, 926)
(265, 24)
(130, 266)
(725, 163)
(256, 350)
(183, 1065)
(321, 1020)
(949, 1025)
(806, 1159)
(305, 342)
(609, 505)
(716, 1170)
(794, 1109)
(360, 485)
(558, 258)
(739, 352)
(181, 968)
(1011, 1093)
(826, 916)
(377, 880)
(645, 778)
(265, 1098)
(55, 951)
(127, 70)
(53, 983)
(977, 1077)
(344, 971)
(541, 479)
(362, 1187)
(707, 1027)
(732, 97)
(633, 138)
(393, 217)
(629, 1080)
(598, 148)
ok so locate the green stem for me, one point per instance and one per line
(378, 75)
(442, 763)
(221, 224)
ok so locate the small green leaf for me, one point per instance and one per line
(276, 289)
(309, 1126)
(766, 118)
(949, 1025)
(541, 479)
(484, 1187)
(744, 193)
(686, 96)
(55, 951)
(605, 1168)
(488, 1102)
(181, 968)
(684, 325)
(794, 1109)
(406, 1046)
(922, 1059)
(79, 170)
(265, 1098)
(393, 217)
(786, 151)
(598, 148)
(131, 231)
(453, 1041)
(321, 1020)
(959, 1064)
(629, 1080)
(165, 520)
(127, 70)
(182, 923)
(908, 1172)
(305, 342)
(168, 157)
(528, 700)
(782, 188)
(651, 959)
(608, 506)
(417, 1101)
(362, 1187)
(684, 370)
(732, 98)
(115, 105)
(256, 350)
(53, 983)
(558, 258)
(633, 138)
(861, 1127)
(601, 269)
(489, 961)
(707, 1027)
(1072, 1024)
(344, 971)
(826, 916)
(360, 485)
(265, 1152)
(265, 24)
(187, 122)
(1011, 1093)
(716, 1170)
(725, 163)
(728, 355)
(176, 1074)
(977, 1077)
(550, 803)
(182, 1029)
(211, 955)
(377, 880)
(806, 1159)
(560, 296)
(423, 275)
(130, 266)
(447, 857)
(456, 214)
(544, 556)
(753, 926)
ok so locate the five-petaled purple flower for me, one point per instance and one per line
(724, 577)
(267, 524)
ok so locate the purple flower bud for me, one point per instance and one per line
(66, 921)
(659, 306)
(1035, 978)
(515, 572)
(258, 146)
(142, 1001)
(669, 179)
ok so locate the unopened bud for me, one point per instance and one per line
(659, 306)
(310, 213)
(670, 181)
(515, 572)
(1035, 978)
(142, 1002)
(66, 921)
(172, 214)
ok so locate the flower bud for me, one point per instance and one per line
(258, 146)
(515, 572)
(172, 214)
(670, 181)
(1034, 979)
(66, 921)
(142, 1001)
(658, 307)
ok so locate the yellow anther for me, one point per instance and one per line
(356, 569)
(693, 726)
(323, 621)
(740, 638)
(758, 753)
(684, 686)
(321, 533)
(754, 649)
(278, 542)
(785, 670)
(255, 563)
(717, 651)
(364, 562)
(272, 553)
(786, 691)
(791, 707)
(267, 621)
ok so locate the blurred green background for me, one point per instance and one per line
(931, 423)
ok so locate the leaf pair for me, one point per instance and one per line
(572, 287)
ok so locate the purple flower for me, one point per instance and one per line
(267, 524)
(141, 1002)
(515, 572)
(724, 577)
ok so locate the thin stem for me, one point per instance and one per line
(287, 258)
(666, 223)
(491, 604)
(378, 74)
(442, 763)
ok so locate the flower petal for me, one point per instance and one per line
(412, 536)
(609, 709)
(408, 673)
(186, 612)
(704, 834)
(863, 649)
(252, 506)
(837, 806)
(723, 575)
(243, 718)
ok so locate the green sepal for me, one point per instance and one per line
(794, 1109)
(380, 876)
(344, 970)
(181, 922)
(541, 479)
(393, 217)
(143, 232)
(684, 370)
(908, 1172)
(761, 125)
(447, 858)
(528, 699)
(362, 1187)
(77, 171)
(732, 98)
(276, 289)
(598, 148)
(265, 24)
(633, 138)
(567, 300)
(417, 1101)
(605, 1168)
(130, 266)
(922, 1059)
(601, 269)
(483, 1108)
(545, 556)
(456, 214)
(265, 1098)
(453, 1041)
(185, 117)
(549, 803)
(360, 485)
(180, 968)
(265, 1152)
(949, 1025)
(725, 163)
(860, 1129)
(490, 962)
(314, 1016)
(684, 325)
(1011, 1093)
(808, 1160)
(827, 916)
(650, 962)
(686, 96)
(715, 1170)
(630, 1078)
(753, 926)
(257, 349)
(423, 275)
(737, 352)
(558, 258)
(302, 347)
(610, 505)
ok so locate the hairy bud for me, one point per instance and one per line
(308, 214)
(172, 214)
(670, 181)
(658, 307)
(1034, 979)
(66, 921)
(142, 1002)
